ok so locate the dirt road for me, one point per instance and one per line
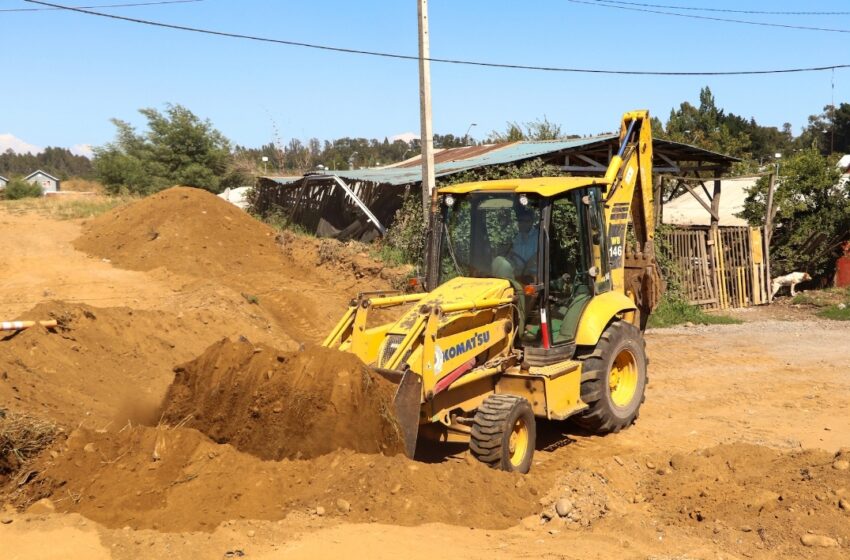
(734, 455)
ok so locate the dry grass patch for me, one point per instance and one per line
(66, 207)
(22, 437)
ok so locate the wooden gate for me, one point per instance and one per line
(720, 270)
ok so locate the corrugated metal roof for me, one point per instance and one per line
(455, 160)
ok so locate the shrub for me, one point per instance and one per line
(18, 189)
(405, 239)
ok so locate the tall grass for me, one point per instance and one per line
(66, 207)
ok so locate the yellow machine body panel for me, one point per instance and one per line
(598, 314)
(543, 186)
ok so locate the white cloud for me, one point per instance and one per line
(17, 145)
(406, 136)
(82, 150)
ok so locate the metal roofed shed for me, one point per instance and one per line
(334, 203)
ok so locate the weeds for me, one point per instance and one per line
(832, 303)
(674, 311)
(840, 312)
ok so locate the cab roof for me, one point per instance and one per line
(543, 186)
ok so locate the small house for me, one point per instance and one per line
(46, 181)
(3, 182)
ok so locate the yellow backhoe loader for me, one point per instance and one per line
(538, 292)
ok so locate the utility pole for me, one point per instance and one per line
(429, 193)
(768, 227)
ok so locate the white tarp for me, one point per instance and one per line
(685, 210)
(237, 196)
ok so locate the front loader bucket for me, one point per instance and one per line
(407, 406)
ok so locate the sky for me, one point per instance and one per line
(67, 74)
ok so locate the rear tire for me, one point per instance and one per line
(504, 433)
(613, 380)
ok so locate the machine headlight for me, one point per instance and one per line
(450, 200)
(523, 200)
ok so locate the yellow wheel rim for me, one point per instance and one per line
(623, 379)
(518, 443)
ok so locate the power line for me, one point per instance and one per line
(608, 4)
(725, 10)
(103, 6)
(438, 60)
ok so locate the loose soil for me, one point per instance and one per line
(737, 454)
(277, 405)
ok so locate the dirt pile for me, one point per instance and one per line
(278, 405)
(303, 283)
(100, 359)
(191, 231)
(766, 498)
(178, 480)
(185, 230)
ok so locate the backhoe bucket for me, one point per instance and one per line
(407, 406)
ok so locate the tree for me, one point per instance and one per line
(829, 132)
(812, 213)
(178, 148)
(59, 162)
(538, 129)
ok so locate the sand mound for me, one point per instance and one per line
(185, 230)
(178, 480)
(101, 358)
(283, 405)
(304, 284)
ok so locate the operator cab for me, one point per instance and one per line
(548, 247)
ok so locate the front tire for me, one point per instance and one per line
(613, 380)
(504, 433)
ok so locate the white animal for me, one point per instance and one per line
(790, 280)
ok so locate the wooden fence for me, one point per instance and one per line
(720, 270)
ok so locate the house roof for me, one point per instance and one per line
(4, 178)
(685, 210)
(37, 171)
(456, 160)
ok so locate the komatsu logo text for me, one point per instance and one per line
(470, 343)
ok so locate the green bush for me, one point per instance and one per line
(18, 189)
(405, 239)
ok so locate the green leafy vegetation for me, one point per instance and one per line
(18, 189)
(675, 311)
(836, 313)
(177, 149)
(812, 213)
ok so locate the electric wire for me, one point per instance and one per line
(724, 10)
(605, 4)
(438, 60)
(128, 5)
